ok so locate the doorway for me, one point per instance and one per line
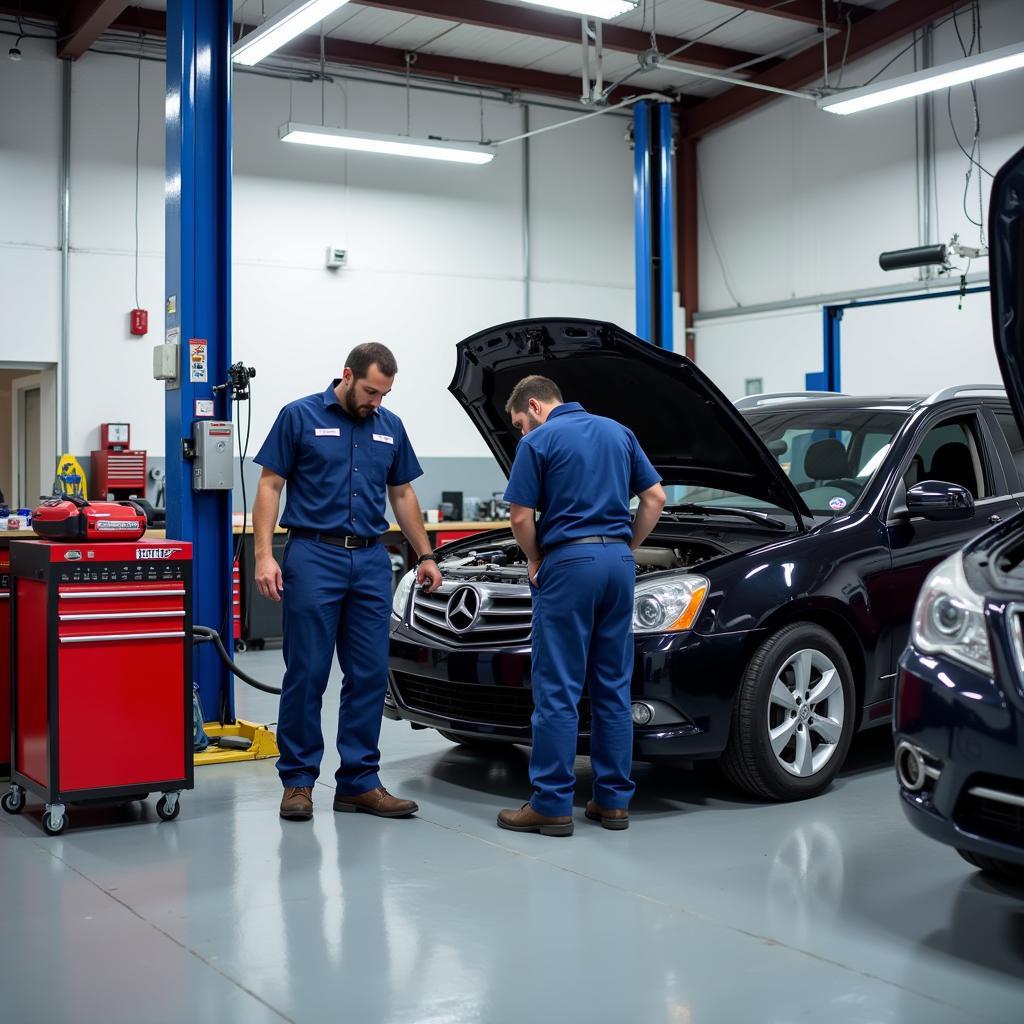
(28, 431)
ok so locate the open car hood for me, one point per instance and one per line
(688, 428)
(1006, 242)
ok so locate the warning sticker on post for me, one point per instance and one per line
(197, 361)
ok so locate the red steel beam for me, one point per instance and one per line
(806, 11)
(84, 23)
(870, 34)
(560, 27)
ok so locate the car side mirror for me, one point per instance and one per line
(938, 500)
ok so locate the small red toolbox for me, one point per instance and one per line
(101, 674)
(75, 519)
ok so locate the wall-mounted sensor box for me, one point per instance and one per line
(336, 258)
(213, 445)
(165, 361)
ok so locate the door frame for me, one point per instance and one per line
(46, 381)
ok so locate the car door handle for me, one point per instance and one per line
(994, 518)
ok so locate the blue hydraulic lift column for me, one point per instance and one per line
(198, 290)
(642, 215)
(653, 221)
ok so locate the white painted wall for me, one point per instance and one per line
(435, 251)
(801, 202)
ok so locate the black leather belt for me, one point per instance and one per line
(335, 539)
(589, 540)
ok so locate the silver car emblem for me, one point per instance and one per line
(463, 609)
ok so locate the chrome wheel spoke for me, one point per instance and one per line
(782, 734)
(801, 663)
(829, 684)
(803, 762)
(782, 696)
(827, 728)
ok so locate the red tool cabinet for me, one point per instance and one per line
(101, 674)
(5, 658)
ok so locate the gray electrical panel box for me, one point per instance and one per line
(213, 459)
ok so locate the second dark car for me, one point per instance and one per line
(774, 596)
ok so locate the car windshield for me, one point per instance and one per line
(829, 455)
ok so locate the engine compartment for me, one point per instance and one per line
(504, 561)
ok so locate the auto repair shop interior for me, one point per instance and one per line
(779, 240)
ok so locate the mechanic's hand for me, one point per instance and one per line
(269, 581)
(428, 576)
(532, 568)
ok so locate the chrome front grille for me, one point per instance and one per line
(1015, 625)
(491, 614)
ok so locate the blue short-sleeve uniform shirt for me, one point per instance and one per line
(338, 467)
(579, 471)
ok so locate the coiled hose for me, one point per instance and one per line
(204, 634)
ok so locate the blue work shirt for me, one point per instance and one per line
(338, 467)
(579, 471)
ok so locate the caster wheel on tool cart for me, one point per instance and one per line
(13, 803)
(241, 646)
(50, 829)
(165, 814)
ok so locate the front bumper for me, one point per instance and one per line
(972, 731)
(691, 680)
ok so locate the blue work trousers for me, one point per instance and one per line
(582, 619)
(334, 599)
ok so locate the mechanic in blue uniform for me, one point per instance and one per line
(339, 453)
(578, 471)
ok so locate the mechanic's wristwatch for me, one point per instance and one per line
(425, 558)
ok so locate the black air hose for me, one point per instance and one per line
(201, 634)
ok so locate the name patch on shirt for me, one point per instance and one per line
(384, 437)
(328, 432)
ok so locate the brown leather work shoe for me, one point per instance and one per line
(375, 801)
(615, 818)
(297, 803)
(526, 819)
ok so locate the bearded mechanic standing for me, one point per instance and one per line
(339, 453)
(578, 471)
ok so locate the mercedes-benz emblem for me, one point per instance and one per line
(463, 609)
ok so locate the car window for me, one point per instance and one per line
(1011, 432)
(950, 453)
(829, 455)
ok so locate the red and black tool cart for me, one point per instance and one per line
(5, 656)
(101, 674)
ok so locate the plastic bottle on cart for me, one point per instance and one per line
(4, 515)
(26, 518)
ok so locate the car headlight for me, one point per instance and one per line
(668, 607)
(949, 617)
(402, 592)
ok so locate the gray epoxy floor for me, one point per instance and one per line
(711, 909)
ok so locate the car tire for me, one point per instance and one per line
(475, 742)
(781, 745)
(1003, 869)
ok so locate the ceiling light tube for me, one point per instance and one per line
(603, 9)
(282, 27)
(969, 69)
(391, 145)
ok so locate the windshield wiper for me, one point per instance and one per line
(761, 518)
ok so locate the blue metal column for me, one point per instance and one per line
(642, 215)
(663, 253)
(198, 283)
(829, 377)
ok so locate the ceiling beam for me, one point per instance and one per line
(806, 11)
(84, 22)
(562, 28)
(871, 33)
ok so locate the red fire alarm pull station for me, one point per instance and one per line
(140, 321)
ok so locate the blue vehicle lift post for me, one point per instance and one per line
(653, 220)
(198, 290)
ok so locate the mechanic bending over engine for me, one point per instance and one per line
(578, 471)
(340, 453)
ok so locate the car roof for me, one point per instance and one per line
(817, 400)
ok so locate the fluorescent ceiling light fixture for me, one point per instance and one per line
(604, 9)
(281, 27)
(392, 145)
(969, 69)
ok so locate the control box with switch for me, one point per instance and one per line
(213, 448)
